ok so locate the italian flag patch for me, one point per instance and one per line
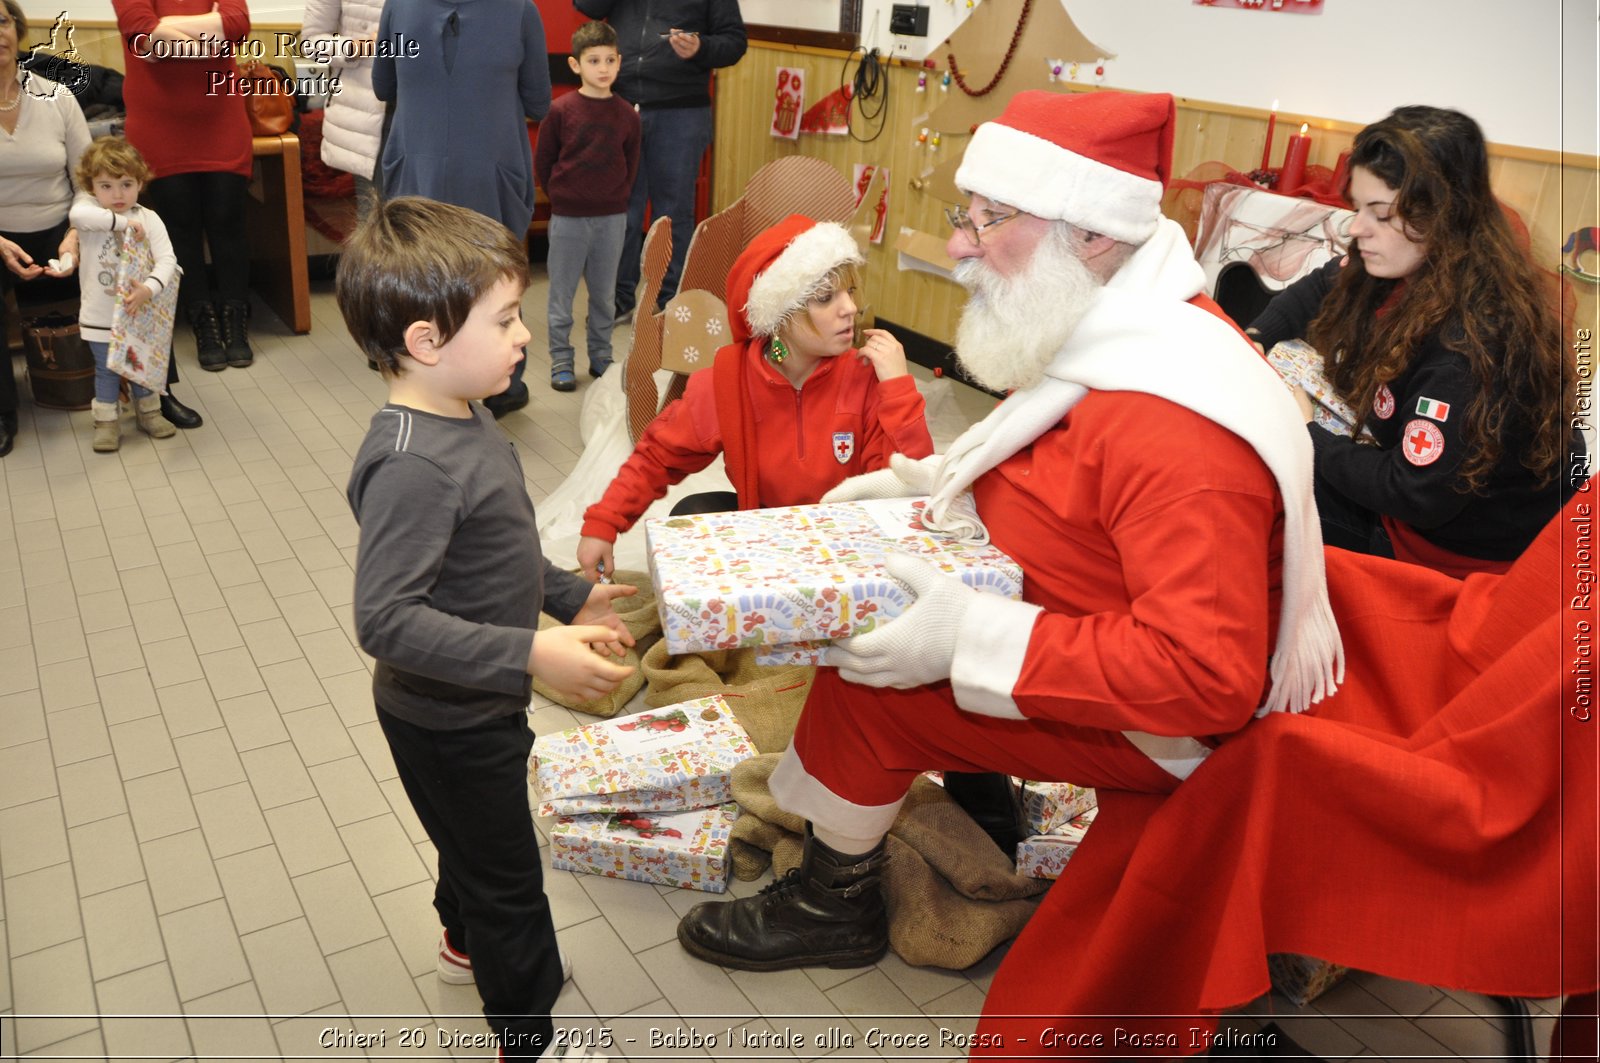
(1439, 411)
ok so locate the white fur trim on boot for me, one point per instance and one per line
(151, 421)
(797, 274)
(107, 428)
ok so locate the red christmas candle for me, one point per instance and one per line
(1293, 174)
(1266, 149)
(1341, 171)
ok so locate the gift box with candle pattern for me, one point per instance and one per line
(1046, 855)
(687, 849)
(668, 759)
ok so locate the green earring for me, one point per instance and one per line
(777, 351)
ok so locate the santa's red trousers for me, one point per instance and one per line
(857, 749)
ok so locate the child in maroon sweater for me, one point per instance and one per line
(586, 160)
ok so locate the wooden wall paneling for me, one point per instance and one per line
(1554, 193)
(744, 110)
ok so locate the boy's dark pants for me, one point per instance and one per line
(470, 790)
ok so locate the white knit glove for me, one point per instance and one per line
(917, 647)
(904, 478)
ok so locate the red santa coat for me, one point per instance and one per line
(1435, 821)
(785, 446)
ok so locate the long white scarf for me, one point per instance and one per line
(1141, 334)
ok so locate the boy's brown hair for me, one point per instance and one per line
(415, 259)
(592, 35)
(114, 157)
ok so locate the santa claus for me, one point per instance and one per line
(1152, 476)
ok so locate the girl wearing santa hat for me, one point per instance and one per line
(1441, 330)
(793, 405)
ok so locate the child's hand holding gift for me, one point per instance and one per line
(566, 658)
(136, 298)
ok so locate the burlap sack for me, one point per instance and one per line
(766, 700)
(952, 896)
(639, 613)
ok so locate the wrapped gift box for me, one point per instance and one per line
(1046, 855)
(807, 654)
(1302, 979)
(1300, 364)
(661, 760)
(1050, 805)
(777, 576)
(688, 849)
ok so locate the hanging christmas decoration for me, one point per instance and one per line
(863, 174)
(829, 115)
(788, 101)
(1011, 50)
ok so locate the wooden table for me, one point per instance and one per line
(275, 225)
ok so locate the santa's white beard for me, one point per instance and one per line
(1013, 326)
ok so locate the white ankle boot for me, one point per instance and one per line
(107, 428)
(151, 422)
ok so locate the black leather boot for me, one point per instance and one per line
(236, 333)
(179, 414)
(993, 803)
(208, 336)
(8, 425)
(828, 912)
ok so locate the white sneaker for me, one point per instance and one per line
(455, 966)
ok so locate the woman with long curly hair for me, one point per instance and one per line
(1439, 329)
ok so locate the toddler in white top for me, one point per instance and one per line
(105, 211)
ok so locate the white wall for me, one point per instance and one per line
(1526, 70)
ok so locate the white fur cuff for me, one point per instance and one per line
(802, 793)
(991, 645)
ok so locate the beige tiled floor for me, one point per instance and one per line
(200, 823)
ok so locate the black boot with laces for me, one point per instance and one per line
(207, 327)
(828, 912)
(236, 333)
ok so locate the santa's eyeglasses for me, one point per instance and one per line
(960, 219)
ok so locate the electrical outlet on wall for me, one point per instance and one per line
(908, 20)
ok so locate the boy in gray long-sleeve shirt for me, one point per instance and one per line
(450, 582)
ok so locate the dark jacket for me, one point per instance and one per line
(1418, 423)
(652, 74)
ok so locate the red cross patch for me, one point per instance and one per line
(1383, 402)
(1422, 442)
(844, 446)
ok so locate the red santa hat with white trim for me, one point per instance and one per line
(1098, 160)
(782, 269)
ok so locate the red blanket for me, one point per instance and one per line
(1435, 821)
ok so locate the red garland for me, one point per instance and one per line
(1011, 50)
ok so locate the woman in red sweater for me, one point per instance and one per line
(188, 121)
(792, 404)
